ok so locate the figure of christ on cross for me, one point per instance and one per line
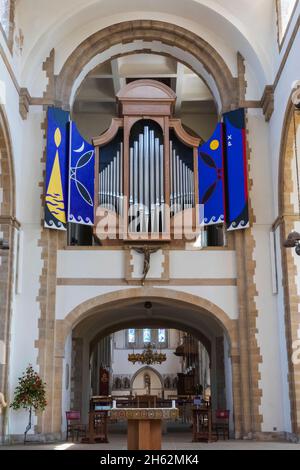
(147, 252)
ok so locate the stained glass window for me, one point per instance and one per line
(285, 9)
(161, 336)
(147, 335)
(5, 7)
(131, 335)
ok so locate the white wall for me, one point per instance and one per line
(103, 264)
(203, 264)
(217, 23)
(91, 264)
(69, 297)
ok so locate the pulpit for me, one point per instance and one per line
(98, 420)
(202, 425)
(144, 425)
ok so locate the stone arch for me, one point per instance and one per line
(107, 303)
(7, 176)
(145, 369)
(287, 220)
(285, 187)
(149, 31)
(8, 225)
(91, 306)
(77, 85)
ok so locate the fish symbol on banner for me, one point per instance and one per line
(82, 162)
(54, 197)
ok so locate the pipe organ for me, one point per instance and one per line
(111, 183)
(182, 195)
(146, 165)
(146, 188)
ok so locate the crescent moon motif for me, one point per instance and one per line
(80, 149)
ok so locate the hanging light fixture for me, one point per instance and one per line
(293, 240)
(149, 356)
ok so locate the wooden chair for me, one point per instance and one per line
(222, 423)
(75, 428)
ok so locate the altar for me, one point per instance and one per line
(144, 425)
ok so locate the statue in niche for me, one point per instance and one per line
(147, 252)
(175, 382)
(118, 383)
(147, 383)
(167, 383)
(126, 383)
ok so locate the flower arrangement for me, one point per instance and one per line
(30, 394)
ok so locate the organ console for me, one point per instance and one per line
(146, 166)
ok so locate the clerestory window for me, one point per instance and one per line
(7, 19)
(285, 10)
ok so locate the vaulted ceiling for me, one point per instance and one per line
(248, 26)
(95, 103)
(98, 92)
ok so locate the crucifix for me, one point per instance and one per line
(147, 252)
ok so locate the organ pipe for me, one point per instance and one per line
(152, 179)
(111, 183)
(121, 201)
(147, 182)
(171, 176)
(181, 183)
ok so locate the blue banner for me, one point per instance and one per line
(56, 169)
(211, 179)
(81, 179)
(237, 210)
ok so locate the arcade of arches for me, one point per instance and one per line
(223, 307)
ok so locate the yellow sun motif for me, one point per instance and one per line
(214, 145)
(54, 197)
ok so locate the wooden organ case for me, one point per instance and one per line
(146, 167)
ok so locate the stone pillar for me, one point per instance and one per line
(76, 373)
(220, 367)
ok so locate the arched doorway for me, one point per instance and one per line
(123, 309)
(8, 226)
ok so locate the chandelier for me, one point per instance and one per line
(149, 356)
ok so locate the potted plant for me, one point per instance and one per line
(30, 394)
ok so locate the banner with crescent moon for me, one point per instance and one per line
(81, 179)
(236, 170)
(211, 179)
(56, 197)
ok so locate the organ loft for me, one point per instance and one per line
(146, 166)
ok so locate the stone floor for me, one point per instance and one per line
(171, 441)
